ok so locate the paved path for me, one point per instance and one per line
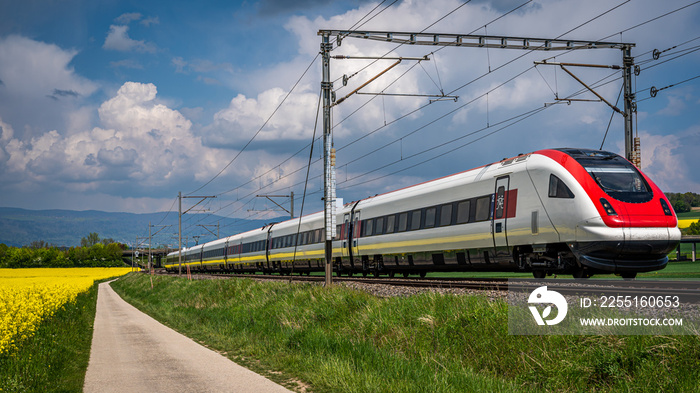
(132, 352)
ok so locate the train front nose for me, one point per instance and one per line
(638, 249)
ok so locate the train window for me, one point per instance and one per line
(403, 221)
(379, 226)
(463, 212)
(446, 214)
(483, 208)
(318, 238)
(623, 183)
(557, 188)
(430, 217)
(390, 220)
(415, 219)
(367, 228)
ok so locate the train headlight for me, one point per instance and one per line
(664, 205)
(608, 207)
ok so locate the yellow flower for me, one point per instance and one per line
(28, 296)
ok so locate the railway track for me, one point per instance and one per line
(689, 291)
(497, 284)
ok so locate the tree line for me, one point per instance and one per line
(93, 252)
(682, 203)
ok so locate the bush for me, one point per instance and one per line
(693, 229)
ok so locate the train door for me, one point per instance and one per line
(355, 234)
(346, 235)
(268, 244)
(499, 220)
(225, 265)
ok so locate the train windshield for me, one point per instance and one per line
(623, 183)
(615, 175)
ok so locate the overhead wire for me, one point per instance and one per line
(441, 48)
(425, 105)
(442, 18)
(306, 182)
(564, 33)
(483, 75)
(254, 136)
(260, 129)
(304, 148)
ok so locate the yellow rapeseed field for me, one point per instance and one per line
(685, 223)
(27, 296)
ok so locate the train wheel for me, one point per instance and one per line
(539, 274)
(422, 274)
(350, 273)
(376, 273)
(405, 274)
(629, 275)
(392, 274)
(580, 273)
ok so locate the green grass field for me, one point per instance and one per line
(342, 340)
(688, 215)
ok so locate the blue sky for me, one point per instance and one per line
(117, 105)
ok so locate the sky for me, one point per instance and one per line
(120, 105)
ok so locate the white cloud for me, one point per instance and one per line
(40, 87)
(138, 140)
(154, 20)
(667, 160)
(125, 19)
(245, 116)
(136, 136)
(34, 69)
(118, 39)
(676, 105)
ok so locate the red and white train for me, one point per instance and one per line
(575, 211)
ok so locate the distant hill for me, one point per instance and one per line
(19, 227)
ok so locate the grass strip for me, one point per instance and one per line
(342, 340)
(56, 357)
